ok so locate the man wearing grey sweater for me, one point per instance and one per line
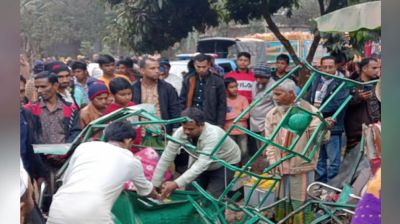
(257, 114)
(210, 175)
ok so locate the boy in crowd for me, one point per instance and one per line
(121, 90)
(236, 104)
(107, 65)
(82, 80)
(98, 95)
(125, 67)
(282, 65)
(243, 75)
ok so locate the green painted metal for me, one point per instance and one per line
(208, 209)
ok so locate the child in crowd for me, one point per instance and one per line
(121, 91)
(98, 95)
(236, 104)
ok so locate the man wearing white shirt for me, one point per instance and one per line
(210, 175)
(95, 176)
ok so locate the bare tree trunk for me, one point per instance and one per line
(285, 42)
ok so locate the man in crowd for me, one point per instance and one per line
(31, 161)
(173, 79)
(243, 75)
(157, 92)
(296, 173)
(257, 113)
(321, 89)
(364, 108)
(94, 68)
(95, 177)
(31, 92)
(209, 175)
(66, 88)
(205, 91)
(81, 78)
(57, 120)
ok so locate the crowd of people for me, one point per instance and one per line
(59, 99)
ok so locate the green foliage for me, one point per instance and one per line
(153, 25)
(243, 11)
(86, 48)
(50, 22)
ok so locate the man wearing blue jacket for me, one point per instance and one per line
(321, 89)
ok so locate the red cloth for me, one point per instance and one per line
(138, 140)
(245, 82)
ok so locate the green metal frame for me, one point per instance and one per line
(253, 214)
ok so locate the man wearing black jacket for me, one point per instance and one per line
(154, 91)
(205, 91)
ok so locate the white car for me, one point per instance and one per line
(180, 67)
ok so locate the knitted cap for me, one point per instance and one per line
(56, 67)
(262, 70)
(96, 89)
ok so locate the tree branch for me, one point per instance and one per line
(317, 36)
(321, 7)
(285, 42)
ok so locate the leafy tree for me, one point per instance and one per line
(147, 26)
(46, 23)
(243, 11)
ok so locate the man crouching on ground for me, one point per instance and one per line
(211, 176)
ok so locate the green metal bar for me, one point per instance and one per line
(277, 163)
(306, 86)
(253, 104)
(334, 204)
(270, 142)
(311, 140)
(331, 213)
(354, 82)
(88, 133)
(317, 145)
(330, 98)
(267, 194)
(320, 219)
(203, 214)
(342, 106)
(273, 204)
(266, 92)
(247, 199)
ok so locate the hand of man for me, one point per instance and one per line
(154, 194)
(167, 188)
(331, 122)
(364, 95)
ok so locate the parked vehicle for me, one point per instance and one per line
(180, 67)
